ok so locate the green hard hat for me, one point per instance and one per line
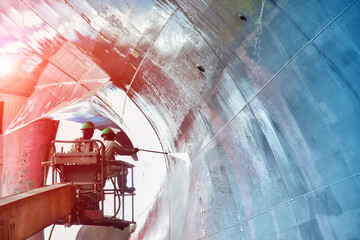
(87, 125)
(107, 131)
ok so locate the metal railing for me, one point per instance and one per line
(60, 160)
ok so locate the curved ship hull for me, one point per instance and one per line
(261, 97)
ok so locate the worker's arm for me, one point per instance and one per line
(95, 147)
(120, 150)
(74, 146)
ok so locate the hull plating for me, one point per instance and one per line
(266, 105)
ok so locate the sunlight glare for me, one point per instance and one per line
(6, 66)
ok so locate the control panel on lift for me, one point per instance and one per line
(88, 173)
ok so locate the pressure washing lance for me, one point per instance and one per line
(144, 150)
(182, 156)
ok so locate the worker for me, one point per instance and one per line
(87, 129)
(113, 148)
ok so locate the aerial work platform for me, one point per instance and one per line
(76, 196)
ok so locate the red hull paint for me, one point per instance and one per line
(24, 150)
(1, 163)
(11, 106)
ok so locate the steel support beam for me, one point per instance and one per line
(22, 215)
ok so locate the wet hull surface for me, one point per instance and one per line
(262, 96)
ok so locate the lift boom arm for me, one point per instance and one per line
(22, 215)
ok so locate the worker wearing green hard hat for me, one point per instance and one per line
(113, 148)
(87, 125)
(107, 131)
(87, 129)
